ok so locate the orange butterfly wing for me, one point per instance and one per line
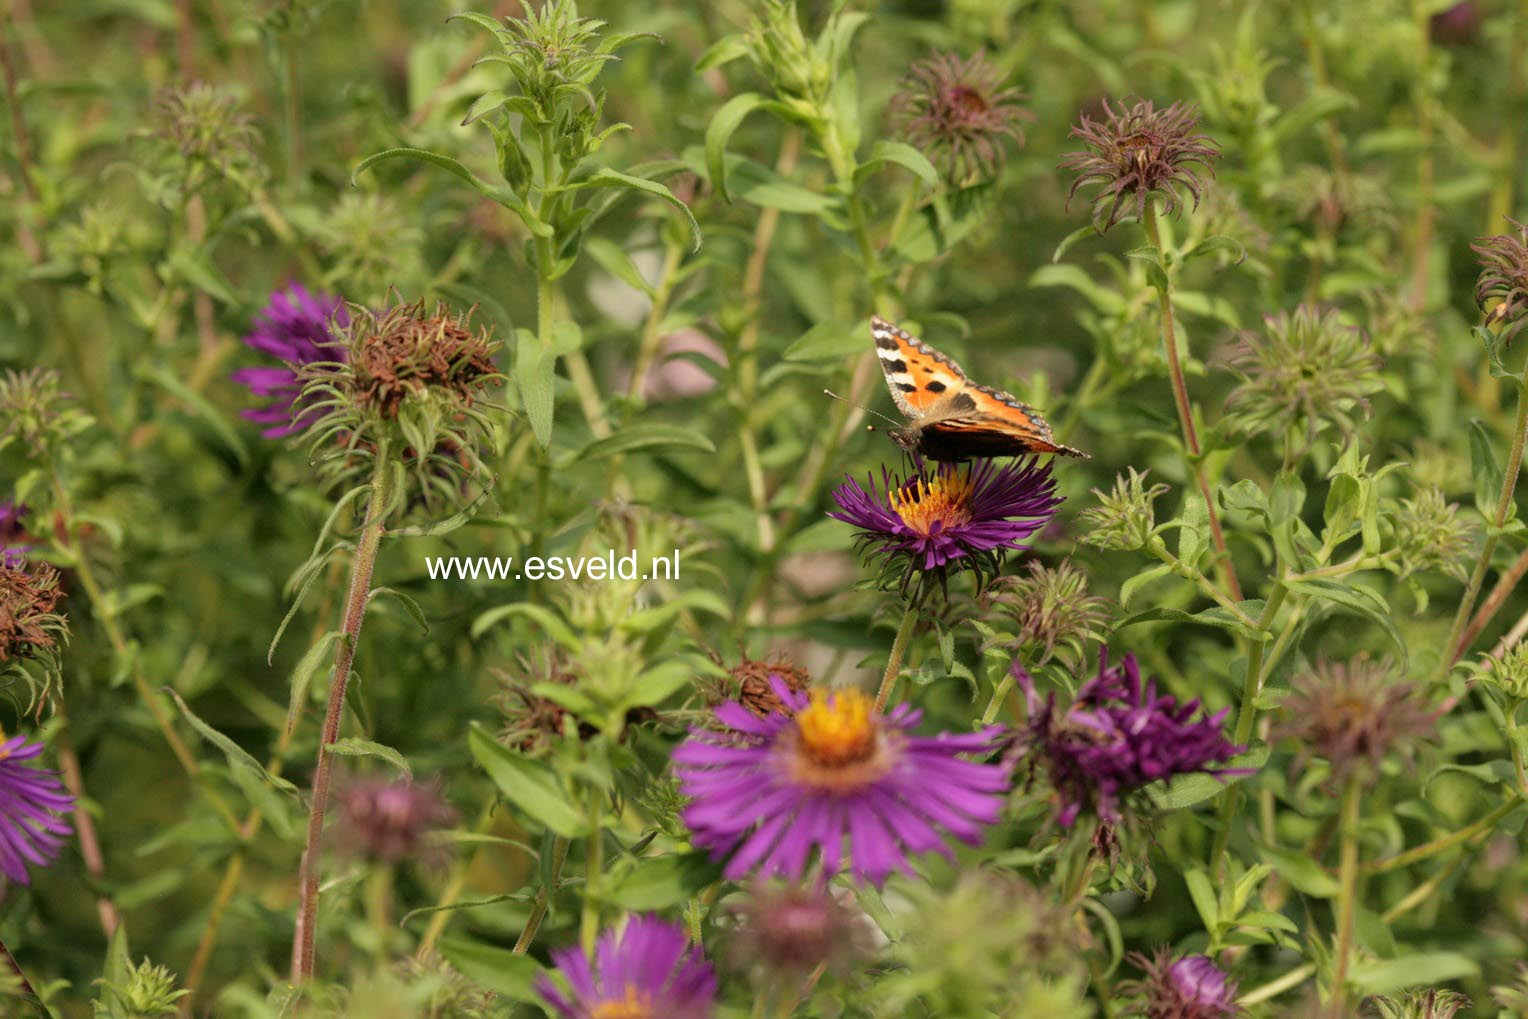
(949, 416)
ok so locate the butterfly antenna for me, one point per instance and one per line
(891, 421)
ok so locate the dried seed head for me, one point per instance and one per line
(1052, 612)
(960, 115)
(1137, 152)
(753, 684)
(30, 625)
(1504, 279)
(1307, 372)
(532, 721)
(1353, 714)
(1125, 519)
(789, 930)
(409, 353)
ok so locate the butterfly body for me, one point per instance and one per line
(949, 417)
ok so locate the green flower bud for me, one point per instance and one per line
(1125, 519)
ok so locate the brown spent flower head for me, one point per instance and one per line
(388, 820)
(1352, 714)
(1504, 278)
(753, 684)
(791, 929)
(409, 352)
(957, 112)
(30, 625)
(1138, 151)
(533, 722)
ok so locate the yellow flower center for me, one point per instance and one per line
(837, 728)
(935, 504)
(635, 1005)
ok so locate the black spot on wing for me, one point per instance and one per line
(936, 386)
(907, 387)
(886, 341)
(898, 365)
(962, 401)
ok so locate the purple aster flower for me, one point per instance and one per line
(949, 513)
(294, 327)
(1116, 738)
(30, 800)
(391, 821)
(1192, 987)
(13, 544)
(647, 971)
(772, 788)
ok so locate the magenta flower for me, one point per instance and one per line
(1115, 739)
(949, 513)
(390, 821)
(294, 327)
(31, 832)
(13, 544)
(644, 972)
(1192, 987)
(771, 789)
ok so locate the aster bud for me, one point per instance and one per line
(1139, 152)
(148, 992)
(35, 410)
(1429, 534)
(1504, 280)
(1430, 1003)
(390, 820)
(1508, 673)
(1302, 374)
(1353, 715)
(789, 930)
(1051, 612)
(957, 112)
(1125, 519)
(1191, 987)
(983, 944)
(207, 130)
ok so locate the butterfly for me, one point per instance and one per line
(949, 417)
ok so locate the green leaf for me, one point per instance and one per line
(530, 785)
(302, 674)
(1304, 873)
(238, 757)
(662, 882)
(350, 746)
(495, 968)
(1194, 535)
(409, 605)
(1128, 589)
(1216, 243)
(885, 152)
(539, 614)
(193, 265)
(1102, 298)
(647, 436)
(719, 132)
(1202, 892)
(1070, 239)
(1187, 790)
(605, 177)
(536, 377)
(504, 197)
(614, 260)
(1359, 600)
(1420, 969)
(1214, 616)
(827, 341)
(725, 50)
(1486, 469)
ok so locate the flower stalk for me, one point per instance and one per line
(898, 652)
(543, 898)
(1347, 886)
(1454, 646)
(1223, 566)
(303, 948)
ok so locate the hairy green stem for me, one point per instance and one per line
(1278, 985)
(594, 866)
(543, 898)
(1347, 889)
(1453, 646)
(1246, 716)
(26, 985)
(361, 569)
(898, 652)
(1223, 565)
(1417, 854)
